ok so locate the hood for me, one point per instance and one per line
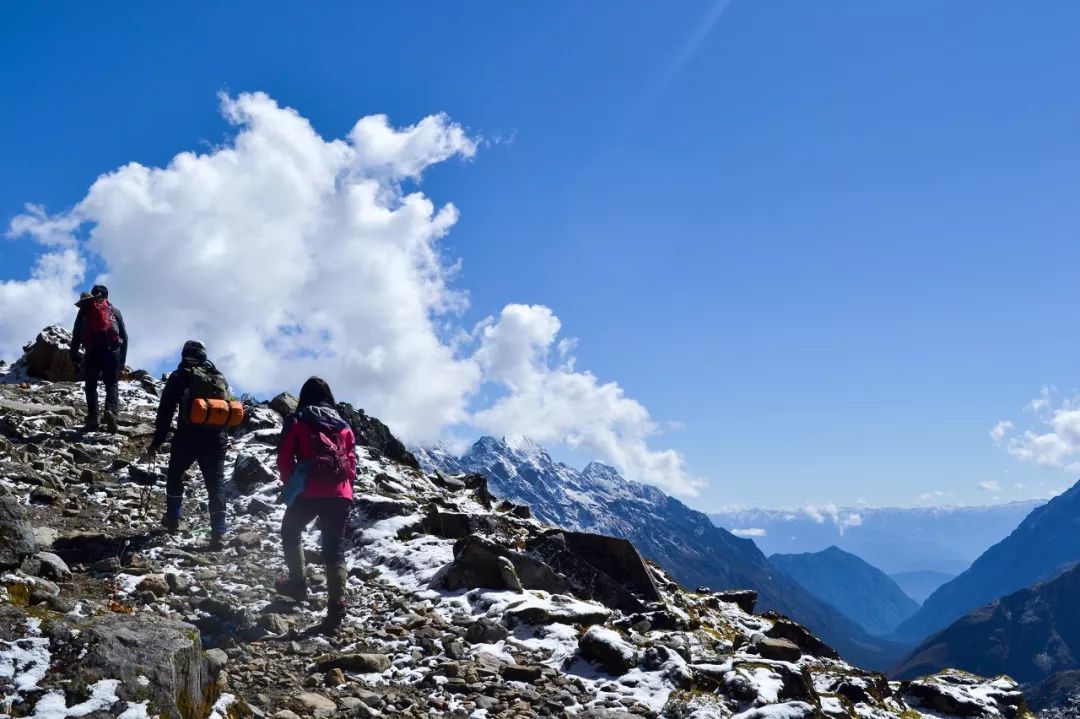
(322, 416)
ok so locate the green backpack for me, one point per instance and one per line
(205, 382)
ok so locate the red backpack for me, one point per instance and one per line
(329, 462)
(100, 321)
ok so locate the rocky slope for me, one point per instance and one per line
(893, 539)
(1047, 541)
(460, 606)
(683, 541)
(1028, 635)
(859, 590)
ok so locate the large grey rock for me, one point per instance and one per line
(315, 705)
(476, 564)
(16, 535)
(358, 663)
(249, 473)
(164, 651)
(30, 409)
(47, 357)
(607, 649)
(284, 404)
(781, 649)
(48, 566)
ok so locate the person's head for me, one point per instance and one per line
(315, 391)
(99, 291)
(83, 299)
(193, 350)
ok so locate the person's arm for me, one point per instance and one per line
(76, 331)
(121, 330)
(170, 398)
(287, 450)
(350, 444)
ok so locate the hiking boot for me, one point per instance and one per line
(170, 524)
(335, 617)
(295, 589)
(91, 422)
(216, 543)
(110, 421)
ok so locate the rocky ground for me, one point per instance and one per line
(461, 605)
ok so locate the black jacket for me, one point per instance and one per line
(171, 398)
(77, 334)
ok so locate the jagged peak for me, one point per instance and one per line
(523, 445)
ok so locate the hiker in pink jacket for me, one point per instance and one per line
(317, 461)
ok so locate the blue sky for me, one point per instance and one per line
(829, 245)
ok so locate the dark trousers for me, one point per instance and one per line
(101, 364)
(333, 515)
(208, 450)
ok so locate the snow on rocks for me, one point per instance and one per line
(458, 606)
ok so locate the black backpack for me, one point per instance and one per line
(205, 381)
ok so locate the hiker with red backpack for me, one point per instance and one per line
(317, 461)
(99, 330)
(206, 411)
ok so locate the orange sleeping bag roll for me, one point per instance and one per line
(216, 412)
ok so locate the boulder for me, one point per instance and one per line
(485, 631)
(48, 358)
(249, 473)
(784, 628)
(476, 564)
(16, 535)
(375, 506)
(607, 649)
(455, 525)
(782, 650)
(315, 705)
(744, 599)
(31, 409)
(48, 566)
(164, 651)
(284, 404)
(357, 663)
(585, 561)
(372, 433)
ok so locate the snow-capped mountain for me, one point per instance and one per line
(683, 541)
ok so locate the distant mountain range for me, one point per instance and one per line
(859, 590)
(1029, 635)
(921, 584)
(1045, 543)
(683, 541)
(897, 539)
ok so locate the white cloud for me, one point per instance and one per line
(1055, 440)
(749, 532)
(289, 254)
(990, 485)
(550, 400)
(843, 519)
(999, 430)
(929, 496)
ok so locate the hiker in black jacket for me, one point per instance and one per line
(191, 443)
(99, 330)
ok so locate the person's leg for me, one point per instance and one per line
(91, 371)
(333, 521)
(297, 517)
(180, 460)
(110, 376)
(212, 466)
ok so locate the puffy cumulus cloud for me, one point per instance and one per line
(990, 485)
(549, 399)
(49, 292)
(1054, 438)
(290, 254)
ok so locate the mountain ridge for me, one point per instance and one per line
(855, 587)
(680, 539)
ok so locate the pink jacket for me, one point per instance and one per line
(296, 446)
